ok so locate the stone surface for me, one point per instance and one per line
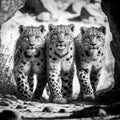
(3, 103)
(33, 7)
(95, 111)
(8, 8)
(16, 110)
(84, 15)
(45, 10)
(9, 115)
(111, 10)
(45, 16)
(48, 109)
(62, 111)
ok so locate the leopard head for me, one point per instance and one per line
(32, 36)
(61, 36)
(93, 37)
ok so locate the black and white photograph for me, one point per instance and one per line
(59, 59)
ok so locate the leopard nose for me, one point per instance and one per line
(61, 41)
(32, 44)
(93, 44)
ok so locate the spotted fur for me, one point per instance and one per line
(90, 59)
(60, 61)
(29, 60)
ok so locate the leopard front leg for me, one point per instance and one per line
(67, 83)
(23, 91)
(22, 75)
(40, 71)
(55, 88)
(41, 83)
(95, 77)
(85, 84)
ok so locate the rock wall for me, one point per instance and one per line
(111, 9)
(7, 10)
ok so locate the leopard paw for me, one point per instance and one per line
(89, 97)
(60, 100)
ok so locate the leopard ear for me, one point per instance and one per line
(51, 27)
(83, 30)
(103, 29)
(72, 27)
(22, 28)
(42, 28)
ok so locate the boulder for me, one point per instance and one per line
(8, 8)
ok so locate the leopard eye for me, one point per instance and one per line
(26, 37)
(55, 35)
(36, 37)
(98, 37)
(66, 34)
(87, 39)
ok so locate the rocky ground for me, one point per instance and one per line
(28, 109)
(12, 108)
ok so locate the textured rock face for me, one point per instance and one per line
(45, 10)
(111, 10)
(8, 8)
